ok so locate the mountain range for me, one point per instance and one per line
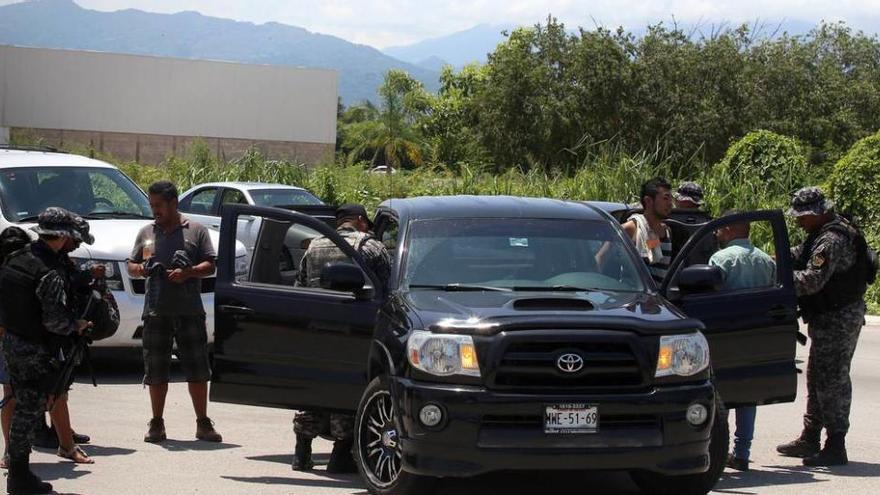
(457, 49)
(64, 24)
(474, 44)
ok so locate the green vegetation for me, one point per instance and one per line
(592, 114)
(855, 187)
(546, 96)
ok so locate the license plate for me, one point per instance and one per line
(571, 418)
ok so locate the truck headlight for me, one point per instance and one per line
(682, 355)
(442, 354)
(111, 269)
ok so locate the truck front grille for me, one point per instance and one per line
(605, 366)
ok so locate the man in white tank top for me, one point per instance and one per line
(650, 235)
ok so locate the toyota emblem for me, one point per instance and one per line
(570, 363)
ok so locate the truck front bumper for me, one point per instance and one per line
(484, 430)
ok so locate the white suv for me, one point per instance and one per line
(116, 209)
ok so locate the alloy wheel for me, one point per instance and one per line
(379, 450)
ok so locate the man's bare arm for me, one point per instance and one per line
(630, 229)
(136, 269)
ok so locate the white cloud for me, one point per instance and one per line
(392, 22)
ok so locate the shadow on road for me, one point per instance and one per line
(853, 470)
(529, 483)
(102, 451)
(509, 483)
(316, 479)
(318, 459)
(733, 482)
(61, 470)
(196, 445)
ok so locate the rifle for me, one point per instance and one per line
(78, 353)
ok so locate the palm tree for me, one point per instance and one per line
(392, 137)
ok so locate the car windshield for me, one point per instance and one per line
(283, 197)
(518, 254)
(92, 192)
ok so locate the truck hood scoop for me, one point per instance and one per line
(552, 304)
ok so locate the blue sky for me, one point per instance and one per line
(383, 23)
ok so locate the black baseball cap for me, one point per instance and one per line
(352, 210)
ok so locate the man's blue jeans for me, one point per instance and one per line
(745, 431)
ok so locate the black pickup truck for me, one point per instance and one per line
(513, 333)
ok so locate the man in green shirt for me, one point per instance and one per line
(744, 267)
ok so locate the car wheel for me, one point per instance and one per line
(377, 449)
(693, 484)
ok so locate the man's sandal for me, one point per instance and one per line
(75, 454)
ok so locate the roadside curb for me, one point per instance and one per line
(872, 320)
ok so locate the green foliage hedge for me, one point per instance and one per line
(855, 186)
(759, 171)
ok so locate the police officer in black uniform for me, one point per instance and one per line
(353, 225)
(832, 270)
(33, 303)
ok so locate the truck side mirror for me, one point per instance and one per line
(343, 277)
(700, 279)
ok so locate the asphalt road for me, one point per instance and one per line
(257, 453)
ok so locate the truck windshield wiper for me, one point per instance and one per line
(460, 287)
(553, 288)
(32, 218)
(123, 214)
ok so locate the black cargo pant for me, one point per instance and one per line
(835, 336)
(310, 424)
(30, 368)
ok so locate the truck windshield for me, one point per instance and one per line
(519, 254)
(92, 192)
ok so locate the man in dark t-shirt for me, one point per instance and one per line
(174, 254)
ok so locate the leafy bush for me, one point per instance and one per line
(761, 170)
(855, 183)
(855, 188)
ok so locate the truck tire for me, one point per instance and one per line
(692, 484)
(377, 451)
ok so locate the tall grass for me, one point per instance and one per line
(605, 174)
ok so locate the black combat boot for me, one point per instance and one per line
(834, 453)
(21, 481)
(78, 438)
(341, 459)
(302, 454)
(807, 445)
(45, 437)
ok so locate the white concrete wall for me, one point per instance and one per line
(91, 91)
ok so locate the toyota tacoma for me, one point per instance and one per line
(513, 333)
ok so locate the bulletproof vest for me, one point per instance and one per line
(323, 251)
(683, 223)
(22, 312)
(843, 288)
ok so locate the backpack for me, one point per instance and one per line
(99, 307)
(873, 265)
(867, 254)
